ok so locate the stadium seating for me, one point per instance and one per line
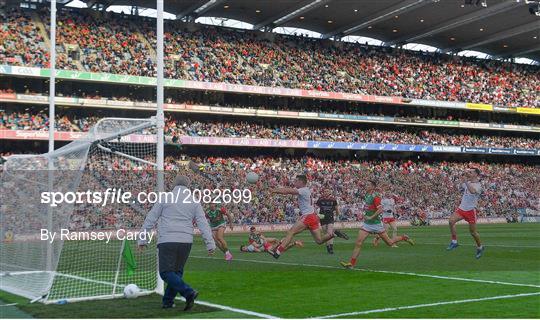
(21, 44)
(115, 44)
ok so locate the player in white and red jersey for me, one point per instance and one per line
(308, 218)
(388, 219)
(472, 189)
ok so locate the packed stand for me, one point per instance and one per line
(404, 135)
(111, 43)
(106, 45)
(426, 190)
(245, 57)
(21, 43)
(421, 189)
(39, 121)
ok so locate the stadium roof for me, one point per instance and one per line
(504, 28)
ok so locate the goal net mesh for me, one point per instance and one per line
(116, 154)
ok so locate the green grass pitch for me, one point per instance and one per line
(421, 281)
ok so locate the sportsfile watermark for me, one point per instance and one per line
(112, 196)
(107, 236)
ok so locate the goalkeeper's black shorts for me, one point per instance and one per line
(328, 219)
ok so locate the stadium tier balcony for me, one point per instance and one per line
(174, 129)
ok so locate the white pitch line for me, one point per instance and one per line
(227, 308)
(487, 245)
(454, 278)
(9, 305)
(381, 271)
(428, 305)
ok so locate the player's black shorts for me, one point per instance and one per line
(173, 256)
(327, 220)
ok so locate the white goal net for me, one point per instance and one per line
(116, 154)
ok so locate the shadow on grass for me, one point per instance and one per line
(142, 307)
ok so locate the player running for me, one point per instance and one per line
(388, 211)
(472, 189)
(216, 216)
(260, 243)
(308, 219)
(327, 209)
(372, 224)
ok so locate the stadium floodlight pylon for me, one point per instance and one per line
(116, 153)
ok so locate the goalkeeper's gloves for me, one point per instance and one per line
(321, 216)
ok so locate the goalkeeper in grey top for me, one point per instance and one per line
(175, 236)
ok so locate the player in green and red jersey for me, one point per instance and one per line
(216, 217)
(372, 224)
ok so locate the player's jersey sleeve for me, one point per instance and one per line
(304, 192)
(376, 202)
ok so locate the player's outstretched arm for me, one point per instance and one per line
(285, 190)
(150, 221)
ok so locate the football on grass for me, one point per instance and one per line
(252, 177)
(131, 291)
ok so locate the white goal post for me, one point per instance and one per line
(116, 153)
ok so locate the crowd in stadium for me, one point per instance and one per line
(423, 190)
(26, 120)
(21, 43)
(98, 42)
(106, 47)
(404, 135)
(118, 45)
(39, 121)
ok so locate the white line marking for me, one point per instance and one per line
(428, 305)
(454, 278)
(381, 271)
(487, 245)
(9, 305)
(227, 308)
(18, 273)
